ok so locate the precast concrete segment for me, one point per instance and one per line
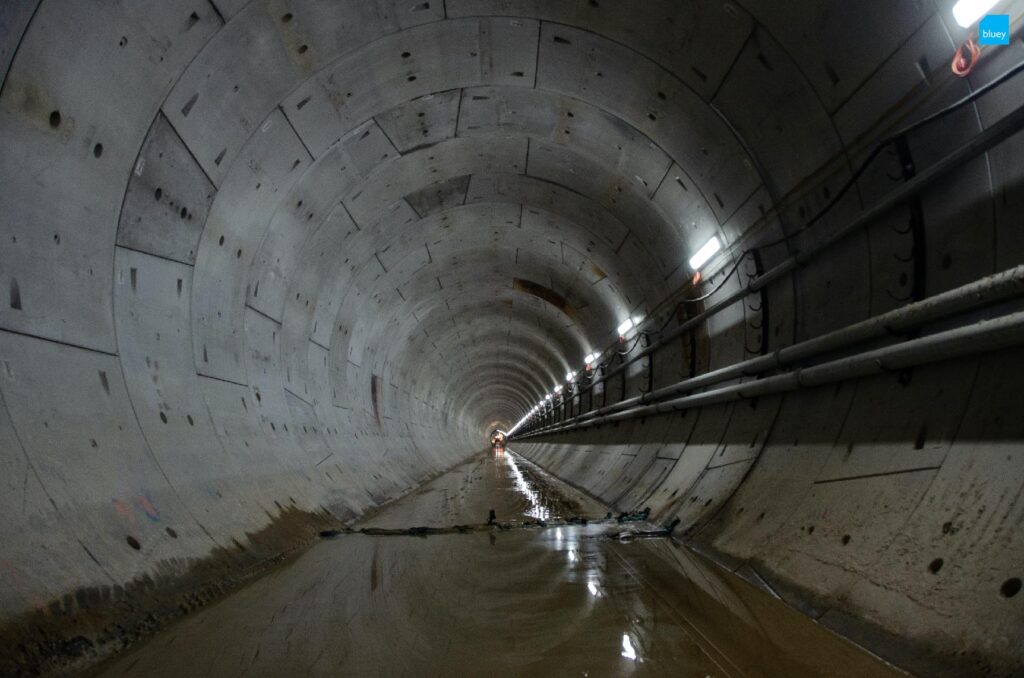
(265, 266)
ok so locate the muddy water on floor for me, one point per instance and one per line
(561, 601)
(516, 489)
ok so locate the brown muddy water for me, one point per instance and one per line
(566, 600)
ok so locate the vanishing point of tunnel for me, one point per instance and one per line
(511, 338)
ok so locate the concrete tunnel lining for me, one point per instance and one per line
(258, 259)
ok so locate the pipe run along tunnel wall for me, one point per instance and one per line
(267, 265)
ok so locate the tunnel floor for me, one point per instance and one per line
(568, 600)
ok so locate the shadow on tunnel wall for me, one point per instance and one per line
(880, 507)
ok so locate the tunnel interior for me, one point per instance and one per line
(270, 265)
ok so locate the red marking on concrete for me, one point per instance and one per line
(124, 510)
(146, 505)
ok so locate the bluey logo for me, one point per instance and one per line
(994, 29)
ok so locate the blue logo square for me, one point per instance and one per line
(994, 29)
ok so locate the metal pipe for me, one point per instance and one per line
(1001, 130)
(989, 290)
(987, 335)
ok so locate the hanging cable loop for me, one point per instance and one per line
(965, 58)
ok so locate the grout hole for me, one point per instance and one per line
(172, 533)
(97, 150)
(54, 119)
(133, 542)
(935, 565)
(1010, 587)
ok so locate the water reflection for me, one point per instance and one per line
(537, 509)
(628, 651)
(538, 602)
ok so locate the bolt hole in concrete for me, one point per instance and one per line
(1010, 587)
(565, 600)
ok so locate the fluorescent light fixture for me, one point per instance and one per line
(558, 389)
(625, 326)
(547, 397)
(570, 376)
(590, 359)
(967, 12)
(705, 253)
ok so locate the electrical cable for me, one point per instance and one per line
(891, 139)
(861, 168)
(630, 349)
(708, 295)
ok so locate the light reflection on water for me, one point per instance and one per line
(628, 651)
(563, 540)
(537, 509)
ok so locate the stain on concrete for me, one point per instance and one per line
(72, 632)
(375, 570)
(375, 397)
(545, 293)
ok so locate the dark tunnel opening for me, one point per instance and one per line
(699, 322)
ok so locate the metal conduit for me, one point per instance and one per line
(985, 140)
(986, 291)
(987, 335)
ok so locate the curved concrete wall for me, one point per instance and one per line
(273, 263)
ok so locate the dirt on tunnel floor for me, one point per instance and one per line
(557, 601)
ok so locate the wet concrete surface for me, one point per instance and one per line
(566, 600)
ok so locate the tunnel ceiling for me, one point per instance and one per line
(263, 256)
(378, 219)
(372, 178)
(269, 256)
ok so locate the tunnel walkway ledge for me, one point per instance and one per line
(83, 629)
